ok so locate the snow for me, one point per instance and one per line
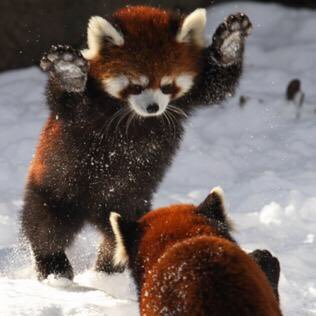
(261, 154)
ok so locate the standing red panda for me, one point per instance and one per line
(116, 120)
(186, 263)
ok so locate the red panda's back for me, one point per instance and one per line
(207, 276)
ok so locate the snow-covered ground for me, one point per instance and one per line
(262, 155)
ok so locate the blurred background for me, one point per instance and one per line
(29, 27)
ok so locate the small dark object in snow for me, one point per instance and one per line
(243, 100)
(293, 88)
(295, 94)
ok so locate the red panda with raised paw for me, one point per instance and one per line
(117, 113)
(185, 263)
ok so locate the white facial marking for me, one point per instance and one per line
(120, 257)
(166, 80)
(114, 85)
(192, 29)
(100, 30)
(139, 103)
(142, 80)
(185, 83)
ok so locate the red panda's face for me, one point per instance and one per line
(150, 61)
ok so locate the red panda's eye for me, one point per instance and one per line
(168, 89)
(136, 89)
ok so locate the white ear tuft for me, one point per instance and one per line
(192, 29)
(120, 257)
(100, 30)
(219, 192)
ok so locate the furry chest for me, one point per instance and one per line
(120, 166)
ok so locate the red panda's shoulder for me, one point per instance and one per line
(207, 276)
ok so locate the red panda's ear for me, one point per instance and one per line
(124, 234)
(192, 29)
(100, 32)
(213, 207)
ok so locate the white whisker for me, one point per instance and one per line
(129, 121)
(124, 115)
(176, 110)
(172, 120)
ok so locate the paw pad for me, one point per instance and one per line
(228, 40)
(66, 66)
(239, 23)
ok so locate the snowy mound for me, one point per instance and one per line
(262, 154)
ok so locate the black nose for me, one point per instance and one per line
(153, 108)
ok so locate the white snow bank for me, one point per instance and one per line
(29, 297)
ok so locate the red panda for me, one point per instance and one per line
(186, 263)
(117, 113)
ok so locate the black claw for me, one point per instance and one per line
(45, 63)
(231, 18)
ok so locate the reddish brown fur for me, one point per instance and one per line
(46, 146)
(149, 39)
(187, 267)
(172, 224)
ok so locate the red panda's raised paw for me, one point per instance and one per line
(229, 38)
(67, 67)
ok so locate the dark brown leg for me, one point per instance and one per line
(270, 266)
(50, 228)
(104, 262)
